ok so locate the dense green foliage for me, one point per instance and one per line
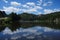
(31, 17)
(13, 17)
(27, 17)
(14, 20)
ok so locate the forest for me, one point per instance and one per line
(7, 19)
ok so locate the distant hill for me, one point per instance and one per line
(51, 17)
(2, 14)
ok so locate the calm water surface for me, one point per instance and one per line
(32, 33)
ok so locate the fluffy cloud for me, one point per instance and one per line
(48, 3)
(26, 6)
(44, 3)
(29, 7)
(5, 1)
(15, 4)
(46, 11)
(30, 3)
(29, 10)
(17, 10)
(35, 9)
(10, 9)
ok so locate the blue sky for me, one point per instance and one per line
(30, 6)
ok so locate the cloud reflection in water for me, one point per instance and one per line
(30, 33)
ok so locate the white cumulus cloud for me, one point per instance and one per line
(44, 2)
(30, 3)
(17, 7)
(10, 9)
(30, 10)
(25, 6)
(15, 4)
(46, 11)
(48, 3)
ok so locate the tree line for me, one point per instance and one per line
(13, 17)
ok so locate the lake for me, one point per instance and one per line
(36, 32)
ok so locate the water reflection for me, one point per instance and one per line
(34, 33)
(30, 31)
(14, 26)
(2, 28)
(17, 25)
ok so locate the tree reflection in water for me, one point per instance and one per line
(16, 25)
